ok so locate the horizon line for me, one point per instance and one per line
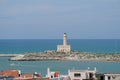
(54, 39)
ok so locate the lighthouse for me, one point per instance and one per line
(65, 47)
(65, 39)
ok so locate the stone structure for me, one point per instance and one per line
(64, 47)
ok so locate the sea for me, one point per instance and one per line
(22, 46)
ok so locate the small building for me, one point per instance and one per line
(82, 74)
(55, 75)
(108, 76)
(17, 75)
(65, 47)
(52, 75)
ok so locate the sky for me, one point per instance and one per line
(49, 19)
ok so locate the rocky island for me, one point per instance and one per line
(65, 52)
(78, 56)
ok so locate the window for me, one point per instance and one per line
(91, 75)
(51, 76)
(77, 75)
(109, 77)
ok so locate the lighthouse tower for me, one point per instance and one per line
(64, 47)
(65, 39)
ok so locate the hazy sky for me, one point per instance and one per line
(49, 19)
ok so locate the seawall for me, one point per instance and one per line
(8, 55)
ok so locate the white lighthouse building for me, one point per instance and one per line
(64, 47)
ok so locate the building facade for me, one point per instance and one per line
(82, 74)
(108, 76)
(65, 47)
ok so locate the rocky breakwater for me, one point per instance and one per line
(67, 56)
(8, 55)
(37, 56)
(17, 57)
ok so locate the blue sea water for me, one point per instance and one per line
(38, 45)
(61, 66)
